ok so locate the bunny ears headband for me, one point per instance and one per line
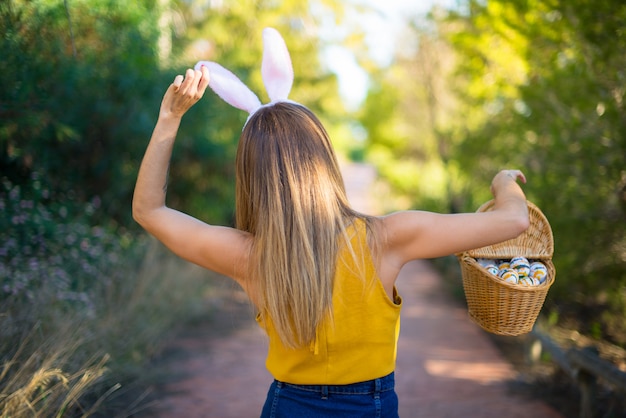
(276, 70)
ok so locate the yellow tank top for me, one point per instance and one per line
(359, 342)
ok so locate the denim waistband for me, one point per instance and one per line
(382, 384)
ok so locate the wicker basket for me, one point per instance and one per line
(500, 307)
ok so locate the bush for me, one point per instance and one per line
(82, 307)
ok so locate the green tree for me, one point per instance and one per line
(542, 87)
(83, 81)
(75, 83)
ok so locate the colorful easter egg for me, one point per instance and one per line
(493, 269)
(525, 281)
(522, 265)
(504, 265)
(538, 271)
(509, 276)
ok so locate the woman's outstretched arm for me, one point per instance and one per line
(217, 248)
(414, 234)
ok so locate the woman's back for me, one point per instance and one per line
(361, 329)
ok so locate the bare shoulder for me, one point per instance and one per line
(398, 240)
(395, 231)
(400, 226)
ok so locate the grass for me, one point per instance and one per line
(60, 359)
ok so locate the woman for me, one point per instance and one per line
(321, 275)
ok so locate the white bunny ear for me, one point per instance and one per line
(276, 68)
(230, 88)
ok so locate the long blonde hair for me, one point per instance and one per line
(290, 195)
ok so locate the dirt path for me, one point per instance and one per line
(446, 367)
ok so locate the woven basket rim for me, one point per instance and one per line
(541, 249)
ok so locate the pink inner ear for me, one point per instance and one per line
(229, 87)
(276, 68)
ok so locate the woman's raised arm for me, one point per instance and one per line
(217, 248)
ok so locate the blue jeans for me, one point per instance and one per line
(372, 399)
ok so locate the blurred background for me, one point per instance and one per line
(436, 96)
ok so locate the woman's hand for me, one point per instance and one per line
(503, 178)
(184, 92)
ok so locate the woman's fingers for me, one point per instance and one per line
(517, 174)
(497, 180)
(178, 80)
(187, 81)
(204, 81)
(195, 83)
(185, 91)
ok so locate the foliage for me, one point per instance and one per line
(47, 253)
(536, 85)
(41, 284)
(78, 313)
(84, 300)
(73, 101)
(90, 93)
(71, 296)
(542, 87)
